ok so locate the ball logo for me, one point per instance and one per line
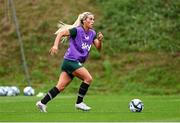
(87, 37)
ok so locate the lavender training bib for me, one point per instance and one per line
(80, 46)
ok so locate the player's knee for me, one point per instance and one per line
(88, 79)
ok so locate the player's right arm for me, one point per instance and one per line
(54, 48)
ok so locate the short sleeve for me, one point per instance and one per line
(95, 35)
(73, 32)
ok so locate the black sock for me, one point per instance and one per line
(82, 92)
(50, 95)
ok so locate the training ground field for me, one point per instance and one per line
(105, 108)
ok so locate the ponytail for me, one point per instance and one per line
(78, 22)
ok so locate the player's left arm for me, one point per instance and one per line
(98, 41)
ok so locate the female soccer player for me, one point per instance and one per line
(81, 36)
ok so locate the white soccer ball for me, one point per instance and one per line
(6, 89)
(10, 92)
(16, 90)
(2, 91)
(28, 91)
(136, 105)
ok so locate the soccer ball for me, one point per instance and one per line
(28, 91)
(10, 92)
(16, 90)
(136, 105)
(2, 91)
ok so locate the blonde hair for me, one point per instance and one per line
(78, 22)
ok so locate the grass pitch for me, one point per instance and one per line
(105, 108)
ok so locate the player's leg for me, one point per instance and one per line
(64, 80)
(84, 75)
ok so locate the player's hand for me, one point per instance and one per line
(100, 36)
(53, 50)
